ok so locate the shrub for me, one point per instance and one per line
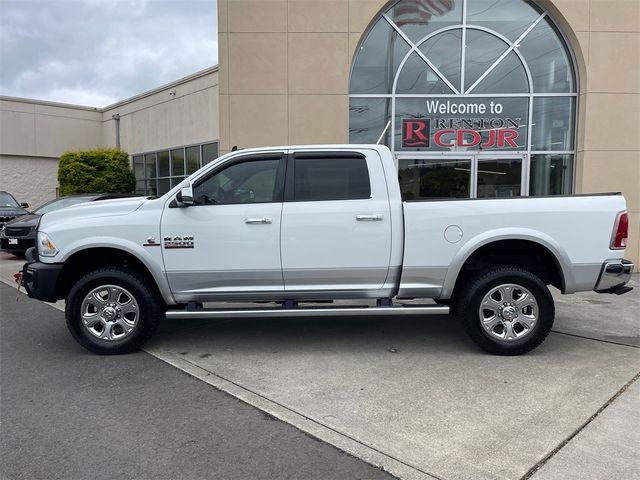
(103, 170)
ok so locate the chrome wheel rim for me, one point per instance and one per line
(508, 312)
(109, 312)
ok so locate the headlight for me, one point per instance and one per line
(46, 247)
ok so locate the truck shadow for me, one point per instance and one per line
(393, 334)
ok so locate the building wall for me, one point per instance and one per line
(285, 64)
(159, 119)
(33, 133)
(608, 36)
(29, 179)
(43, 129)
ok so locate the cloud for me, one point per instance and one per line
(96, 52)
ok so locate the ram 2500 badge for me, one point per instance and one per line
(291, 225)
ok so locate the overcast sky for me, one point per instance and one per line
(96, 52)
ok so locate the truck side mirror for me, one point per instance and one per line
(185, 196)
(24, 205)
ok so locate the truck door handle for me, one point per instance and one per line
(369, 218)
(262, 220)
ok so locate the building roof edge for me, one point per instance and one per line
(193, 76)
(175, 83)
(35, 101)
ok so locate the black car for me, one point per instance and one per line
(10, 208)
(19, 234)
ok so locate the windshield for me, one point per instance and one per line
(6, 200)
(59, 203)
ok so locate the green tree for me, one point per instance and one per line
(102, 170)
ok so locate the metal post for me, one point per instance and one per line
(116, 118)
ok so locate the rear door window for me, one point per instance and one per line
(331, 178)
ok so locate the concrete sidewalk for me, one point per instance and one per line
(416, 397)
(412, 395)
(606, 448)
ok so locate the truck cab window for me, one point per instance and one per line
(318, 179)
(246, 182)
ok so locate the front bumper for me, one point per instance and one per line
(16, 244)
(41, 279)
(614, 276)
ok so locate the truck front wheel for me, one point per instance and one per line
(111, 311)
(506, 310)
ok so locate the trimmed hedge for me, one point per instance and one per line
(103, 170)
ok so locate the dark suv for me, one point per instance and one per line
(19, 234)
(10, 208)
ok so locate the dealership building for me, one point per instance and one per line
(476, 98)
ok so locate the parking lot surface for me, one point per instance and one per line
(417, 398)
(69, 414)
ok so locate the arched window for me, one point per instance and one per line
(478, 94)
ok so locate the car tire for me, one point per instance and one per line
(112, 310)
(506, 310)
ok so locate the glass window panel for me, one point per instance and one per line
(164, 185)
(247, 182)
(418, 18)
(209, 152)
(507, 17)
(152, 187)
(193, 159)
(551, 174)
(331, 179)
(417, 77)
(7, 200)
(138, 166)
(422, 179)
(548, 60)
(368, 118)
(377, 60)
(500, 178)
(509, 76)
(176, 180)
(444, 51)
(163, 164)
(177, 162)
(502, 126)
(406, 109)
(553, 127)
(501, 129)
(141, 187)
(150, 164)
(483, 49)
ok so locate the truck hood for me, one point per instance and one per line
(9, 213)
(12, 211)
(103, 208)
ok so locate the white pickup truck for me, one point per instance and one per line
(287, 226)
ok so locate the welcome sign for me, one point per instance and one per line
(474, 124)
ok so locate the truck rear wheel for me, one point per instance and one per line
(506, 310)
(112, 311)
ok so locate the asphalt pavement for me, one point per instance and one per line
(66, 413)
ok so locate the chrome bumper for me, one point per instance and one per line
(614, 276)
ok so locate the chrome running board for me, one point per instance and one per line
(309, 312)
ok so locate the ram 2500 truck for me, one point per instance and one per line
(303, 224)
